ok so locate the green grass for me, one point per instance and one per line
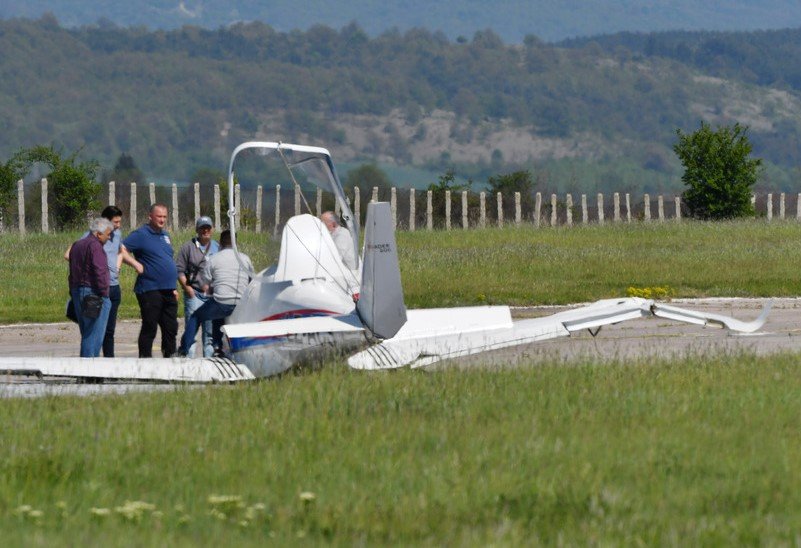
(510, 266)
(700, 451)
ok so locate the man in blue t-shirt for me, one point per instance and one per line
(155, 287)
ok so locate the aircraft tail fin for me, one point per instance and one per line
(381, 305)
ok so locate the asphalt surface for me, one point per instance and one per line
(644, 338)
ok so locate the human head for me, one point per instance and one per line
(204, 227)
(101, 228)
(329, 220)
(158, 216)
(225, 239)
(113, 214)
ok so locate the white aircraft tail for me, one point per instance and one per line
(380, 305)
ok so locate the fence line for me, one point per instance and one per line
(438, 213)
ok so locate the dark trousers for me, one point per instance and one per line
(158, 308)
(115, 295)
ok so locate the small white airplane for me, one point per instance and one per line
(310, 304)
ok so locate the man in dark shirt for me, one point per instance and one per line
(155, 287)
(89, 275)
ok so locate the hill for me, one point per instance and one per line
(584, 116)
(511, 19)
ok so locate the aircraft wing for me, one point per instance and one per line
(200, 370)
(433, 335)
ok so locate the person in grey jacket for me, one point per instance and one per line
(190, 262)
(225, 277)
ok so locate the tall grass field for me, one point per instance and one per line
(701, 450)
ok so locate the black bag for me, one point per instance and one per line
(70, 312)
(91, 305)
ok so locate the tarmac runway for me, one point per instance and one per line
(645, 338)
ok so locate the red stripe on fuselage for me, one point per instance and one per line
(300, 313)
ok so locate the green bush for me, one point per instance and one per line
(718, 172)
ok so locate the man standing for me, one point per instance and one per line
(190, 262)
(226, 277)
(342, 239)
(116, 254)
(88, 280)
(155, 286)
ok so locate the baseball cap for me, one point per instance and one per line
(203, 221)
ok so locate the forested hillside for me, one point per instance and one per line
(180, 100)
(511, 19)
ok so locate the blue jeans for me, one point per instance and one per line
(115, 296)
(92, 329)
(190, 326)
(211, 310)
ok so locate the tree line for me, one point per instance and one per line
(181, 100)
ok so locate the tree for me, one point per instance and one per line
(10, 172)
(718, 172)
(72, 182)
(125, 171)
(367, 176)
(508, 184)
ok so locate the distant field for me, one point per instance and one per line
(522, 266)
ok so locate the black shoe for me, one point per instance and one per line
(218, 354)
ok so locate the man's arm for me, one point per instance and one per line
(124, 256)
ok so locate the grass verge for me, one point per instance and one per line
(521, 266)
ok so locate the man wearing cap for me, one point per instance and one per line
(190, 262)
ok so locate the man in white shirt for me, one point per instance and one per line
(226, 279)
(342, 239)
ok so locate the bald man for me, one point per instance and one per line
(342, 239)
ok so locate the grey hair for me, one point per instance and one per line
(100, 225)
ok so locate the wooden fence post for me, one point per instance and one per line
(21, 205)
(152, 192)
(259, 192)
(537, 209)
(174, 206)
(412, 212)
(646, 207)
(393, 206)
(447, 210)
(217, 220)
(628, 207)
(112, 193)
(357, 204)
(482, 202)
(553, 209)
(429, 211)
(584, 215)
(277, 210)
(238, 205)
(518, 209)
(677, 200)
(375, 194)
(600, 208)
(133, 206)
(616, 203)
(569, 210)
(499, 200)
(660, 208)
(196, 198)
(798, 207)
(464, 210)
(45, 212)
(781, 206)
(770, 206)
